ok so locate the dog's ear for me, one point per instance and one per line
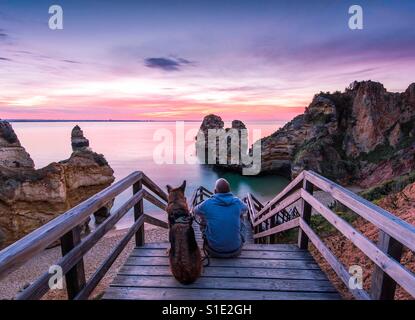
(183, 186)
(169, 188)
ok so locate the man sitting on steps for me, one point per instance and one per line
(222, 225)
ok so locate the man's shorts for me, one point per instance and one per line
(215, 254)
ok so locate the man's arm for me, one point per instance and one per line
(198, 211)
(243, 206)
(244, 209)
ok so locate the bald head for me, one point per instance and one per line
(222, 186)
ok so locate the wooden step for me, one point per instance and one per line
(261, 272)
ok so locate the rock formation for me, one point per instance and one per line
(12, 154)
(364, 135)
(214, 122)
(78, 141)
(29, 198)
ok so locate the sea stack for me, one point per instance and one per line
(78, 140)
(229, 137)
(29, 198)
(12, 154)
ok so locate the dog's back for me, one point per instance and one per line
(184, 256)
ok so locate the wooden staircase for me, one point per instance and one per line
(264, 270)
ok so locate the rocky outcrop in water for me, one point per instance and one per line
(12, 154)
(364, 135)
(29, 198)
(239, 142)
(78, 140)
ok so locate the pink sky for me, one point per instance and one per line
(183, 60)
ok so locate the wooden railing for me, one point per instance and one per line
(199, 196)
(394, 233)
(66, 228)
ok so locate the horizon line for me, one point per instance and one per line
(120, 120)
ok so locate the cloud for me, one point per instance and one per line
(5, 59)
(3, 34)
(71, 61)
(166, 64)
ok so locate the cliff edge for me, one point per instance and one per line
(29, 197)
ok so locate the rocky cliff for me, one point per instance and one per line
(29, 198)
(363, 135)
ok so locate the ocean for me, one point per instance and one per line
(130, 146)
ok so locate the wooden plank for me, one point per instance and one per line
(155, 222)
(279, 228)
(40, 286)
(259, 203)
(206, 190)
(273, 237)
(383, 286)
(262, 247)
(193, 199)
(333, 261)
(154, 187)
(246, 254)
(225, 283)
(251, 209)
(384, 220)
(106, 265)
(289, 200)
(200, 294)
(138, 212)
(22, 250)
(232, 263)
(158, 203)
(264, 273)
(394, 269)
(75, 277)
(289, 188)
(305, 214)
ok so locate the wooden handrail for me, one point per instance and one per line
(291, 187)
(337, 266)
(384, 220)
(22, 250)
(198, 196)
(393, 268)
(65, 224)
(40, 286)
(394, 232)
(289, 200)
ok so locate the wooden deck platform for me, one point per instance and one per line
(262, 272)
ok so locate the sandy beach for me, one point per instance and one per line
(27, 273)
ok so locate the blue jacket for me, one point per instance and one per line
(222, 215)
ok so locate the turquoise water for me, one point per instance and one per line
(130, 146)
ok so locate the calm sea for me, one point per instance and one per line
(129, 146)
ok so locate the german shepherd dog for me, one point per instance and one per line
(184, 254)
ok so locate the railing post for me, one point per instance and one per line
(138, 212)
(267, 239)
(383, 286)
(273, 237)
(305, 213)
(75, 277)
